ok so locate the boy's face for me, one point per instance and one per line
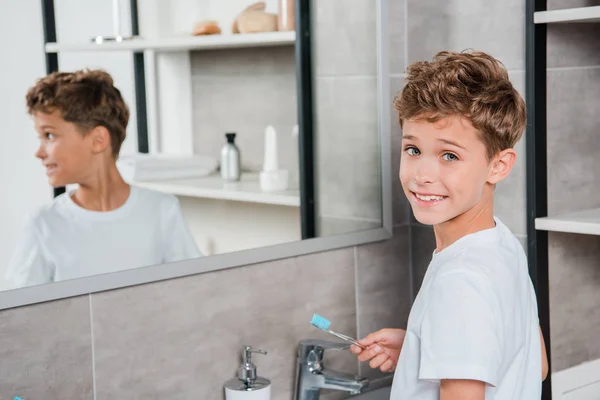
(64, 151)
(444, 168)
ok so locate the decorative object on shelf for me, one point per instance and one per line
(254, 19)
(206, 27)
(286, 19)
(117, 37)
(260, 6)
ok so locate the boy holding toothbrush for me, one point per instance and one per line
(473, 331)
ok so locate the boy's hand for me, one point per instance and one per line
(382, 348)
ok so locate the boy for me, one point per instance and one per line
(105, 225)
(473, 329)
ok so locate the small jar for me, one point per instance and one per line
(286, 20)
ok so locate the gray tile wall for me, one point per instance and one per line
(384, 287)
(347, 132)
(574, 298)
(46, 351)
(559, 4)
(573, 165)
(181, 338)
(188, 333)
(492, 26)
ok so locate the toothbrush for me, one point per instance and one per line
(324, 324)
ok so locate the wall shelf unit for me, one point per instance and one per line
(182, 43)
(585, 222)
(568, 15)
(539, 223)
(212, 187)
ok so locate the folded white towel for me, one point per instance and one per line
(150, 167)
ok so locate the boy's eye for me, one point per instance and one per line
(49, 135)
(450, 157)
(412, 151)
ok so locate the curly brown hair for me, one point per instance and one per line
(86, 98)
(472, 85)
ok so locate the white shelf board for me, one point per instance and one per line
(584, 222)
(213, 187)
(580, 14)
(182, 43)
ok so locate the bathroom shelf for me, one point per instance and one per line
(212, 187)
(584, 222)
(580, 14)
(182, 43)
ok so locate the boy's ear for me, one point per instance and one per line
(502, 165)
(100, 138)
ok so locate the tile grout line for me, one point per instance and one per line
(405, 35)
(411, 284)
(356, 301)
(292, 76)
(93, 348)
(232, 77)
(582, 68)
(350, 218)
(405, 75)
(411, 287)
(327, 77)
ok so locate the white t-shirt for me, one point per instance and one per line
(475, 317)
(65, 241)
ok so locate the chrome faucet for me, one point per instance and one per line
(312, 376)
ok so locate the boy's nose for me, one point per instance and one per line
(40, 153)
(425, 174)
(423, 179)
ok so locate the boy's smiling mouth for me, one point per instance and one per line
(50, 168)
(427, 199)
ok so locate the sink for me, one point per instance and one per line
(377, 394)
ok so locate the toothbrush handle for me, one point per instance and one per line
(346, 338)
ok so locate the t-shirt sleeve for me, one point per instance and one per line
(29, 264)
(179, 242)
(461, 332)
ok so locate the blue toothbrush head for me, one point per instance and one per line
(320, 322)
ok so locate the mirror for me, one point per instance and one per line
(239, 147)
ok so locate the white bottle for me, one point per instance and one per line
(272, 179)
(248, 386)
(230, 160)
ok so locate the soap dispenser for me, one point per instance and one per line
(247, 385)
